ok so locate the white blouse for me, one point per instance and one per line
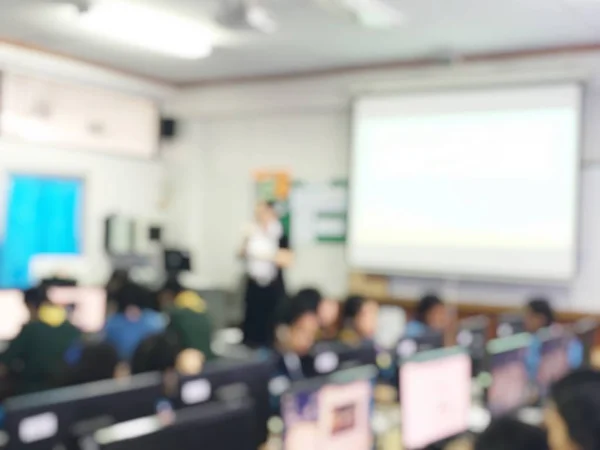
(261, 247)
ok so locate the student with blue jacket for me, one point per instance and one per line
(539, 315)
(431, 316)
(133, 322)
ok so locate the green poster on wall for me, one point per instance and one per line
(320, 212)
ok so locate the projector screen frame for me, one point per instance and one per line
(582, 88)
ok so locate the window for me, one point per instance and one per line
(43, 216)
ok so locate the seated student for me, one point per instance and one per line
(189, 321)
(93, 361)
(36, 355)
(511, 434)
(162, 353)
(133, 321)
(327, 311)
(572, 416)
(360, 320)
(295, 335)
(431, 315)
(539, 315)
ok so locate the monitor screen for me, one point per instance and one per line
(327, 357)
(87, 305)
(472, 335)
(409, 346)
(509, 325)
(13, 314)
(207, 426)
(42, 420)
(330, 416)
(554, 360)
(509, 386)
(250, 377)
(436, 397)
(585, 332)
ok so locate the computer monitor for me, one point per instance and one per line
(177, 261)
(586, 331)
(328, 357)
(409, 346)
(436, 397)
(554, 357)
(223, 378)
(332, 413)
(43, 420)
(213, 426)
(472, 335)
(86, 305)
(508, 388)
(509, 324)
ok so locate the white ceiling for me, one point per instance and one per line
(312, 39)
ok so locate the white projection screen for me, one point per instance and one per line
(478, 183)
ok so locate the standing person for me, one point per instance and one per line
(266, 250)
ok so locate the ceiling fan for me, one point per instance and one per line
(368, 13)
(251, 15)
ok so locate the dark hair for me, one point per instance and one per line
(89, 362)
(577, 400)
(541, 306)
(293, 310)
(157, 353)
(426, 304)
(311, 297)
(35, 296)
(353, 306)
(172, 285)
(118, 275)
(511, 433)
(132, 294)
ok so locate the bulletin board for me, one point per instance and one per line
(319, 212)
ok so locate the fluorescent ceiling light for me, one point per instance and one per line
(148, 28)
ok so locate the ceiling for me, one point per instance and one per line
(312, 39)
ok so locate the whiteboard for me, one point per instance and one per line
(581, 295)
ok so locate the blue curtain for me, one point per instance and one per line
(43, 216)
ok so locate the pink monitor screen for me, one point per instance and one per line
(335, 417)
(88, 306)
(13, 314)
(436, 399)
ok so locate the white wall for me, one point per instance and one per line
(112, 185)
(213, 188)
(303, 125)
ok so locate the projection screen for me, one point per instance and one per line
(475, 183)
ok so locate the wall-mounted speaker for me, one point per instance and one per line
(168, 128)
